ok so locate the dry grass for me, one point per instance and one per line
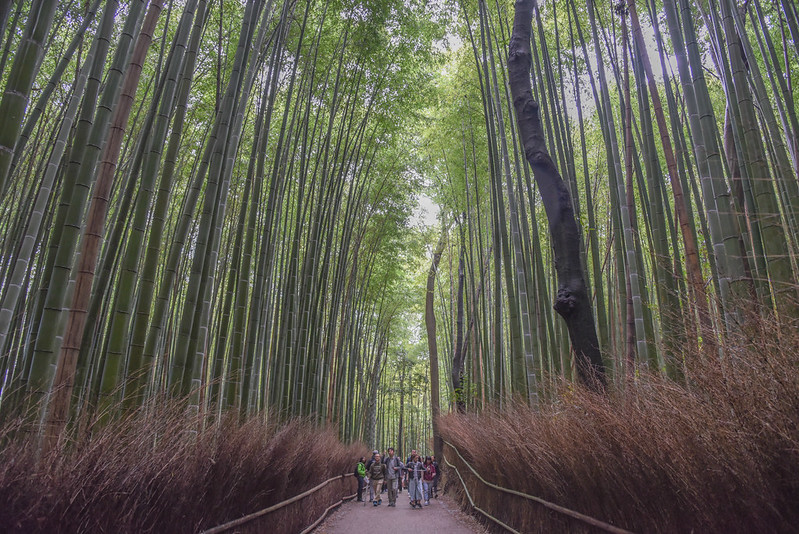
(720, 454)
(152, 473)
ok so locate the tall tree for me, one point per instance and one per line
(432, 345)
(27, 61)
(58, 412)
(572, 301)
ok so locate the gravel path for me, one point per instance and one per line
(441, 517)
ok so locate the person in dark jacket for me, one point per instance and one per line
(377, 474)
(400, 475)
(369, 465)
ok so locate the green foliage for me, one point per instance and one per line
(355, 109)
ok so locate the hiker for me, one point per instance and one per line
(384, 456)
(393, 473)
(415, 470)
(368, 465)
(400, 475)
(427, 478)
(360, 473)
(407, 463)
(377, 474)
(436, 478)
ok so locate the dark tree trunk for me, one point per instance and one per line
(572, 301)
(459, 357)
(432, 346)
(400, 446)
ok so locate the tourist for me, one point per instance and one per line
(377, 474)
(400, 475)
(384, 456)
(427, 479)
(368, 465)
(360, 472)
(415, 472)
(407, 463)
(393, 473)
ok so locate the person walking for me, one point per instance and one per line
(377, 474)
(360, 472)
(393, 473)
(368, 466)
(400, 474)
(384, 456)
(408, 461)
(415, 472)
(427, 479)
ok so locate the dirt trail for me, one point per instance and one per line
(441, 517)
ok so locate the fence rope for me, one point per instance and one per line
(552, 506)
(247, 518)
(327, 511)
(471, 501)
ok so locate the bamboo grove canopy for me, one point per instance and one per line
(215, 200)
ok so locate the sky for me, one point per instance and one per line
(426, 211)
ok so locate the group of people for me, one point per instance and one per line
(388, 473)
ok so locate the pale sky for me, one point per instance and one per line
(426, 211)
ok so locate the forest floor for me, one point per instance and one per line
(442, 517)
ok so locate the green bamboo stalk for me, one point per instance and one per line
(27, 60)
(80, 178)
(767, 214)
(141, 353)
(13, 288)
(115, 352)
(58, 412)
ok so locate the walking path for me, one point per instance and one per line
(441, 517)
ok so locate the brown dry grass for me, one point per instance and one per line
(153, 473)
(719, 454)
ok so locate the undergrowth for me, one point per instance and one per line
(153, 472)
(717, 453)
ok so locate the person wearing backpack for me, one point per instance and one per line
(400, 474)
(360, 474)
(427, 479)
(377, 474)
(415, 472)
(368, 466)
(393, 473)
(405, 473)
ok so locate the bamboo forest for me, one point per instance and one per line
(553, 244)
